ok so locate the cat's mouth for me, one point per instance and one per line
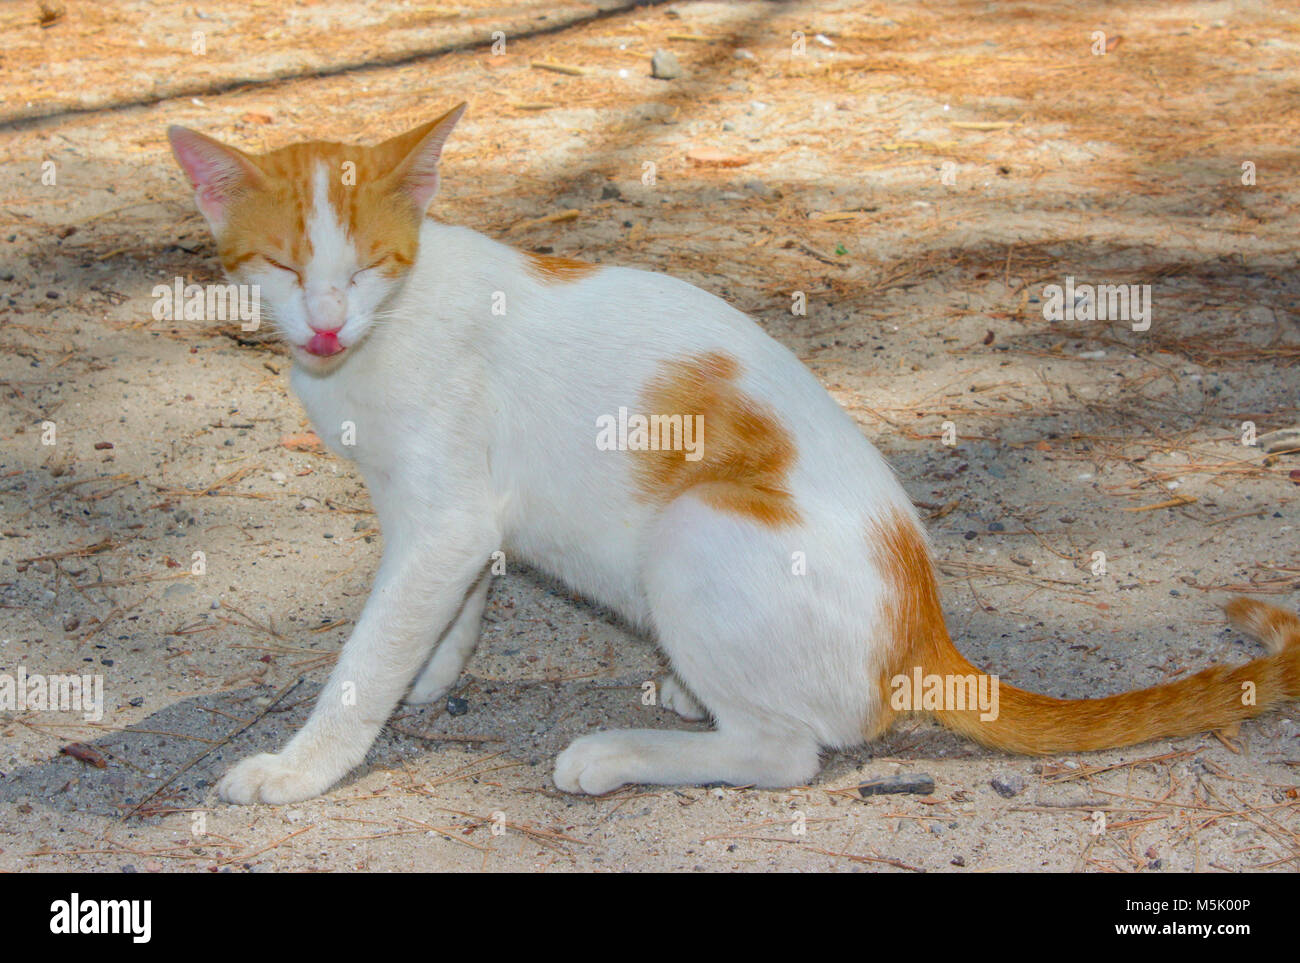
(324, 344)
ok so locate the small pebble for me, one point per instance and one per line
(664, 65)
(1008, 784)
(920, 784)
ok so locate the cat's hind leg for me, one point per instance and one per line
(673, 695)
(452, 650)
(778, 652)
(603, 761)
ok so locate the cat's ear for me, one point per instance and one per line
(218, 173)
(420, 149)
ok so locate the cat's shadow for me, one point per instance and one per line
(152, 761)
(526, 718)
(528, 722)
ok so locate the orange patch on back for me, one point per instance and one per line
(745, 455)
(549, 269)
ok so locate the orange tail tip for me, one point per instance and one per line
(1026, 722)
(1276, 628)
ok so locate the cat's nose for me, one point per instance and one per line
(327, 310)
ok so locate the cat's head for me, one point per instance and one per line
(327, 231)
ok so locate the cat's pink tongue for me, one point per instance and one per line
(324, 344)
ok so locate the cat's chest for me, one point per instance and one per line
(356, 418)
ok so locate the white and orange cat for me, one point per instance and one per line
(776, 559)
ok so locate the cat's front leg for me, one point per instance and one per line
(418, 590)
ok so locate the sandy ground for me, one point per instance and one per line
(921, 175)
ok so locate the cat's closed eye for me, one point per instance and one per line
(370, 267)
(283, 267)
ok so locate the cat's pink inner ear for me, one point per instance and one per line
(418, 173)
(216, 172)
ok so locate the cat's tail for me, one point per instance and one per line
(1214, 698)
(1026, 722)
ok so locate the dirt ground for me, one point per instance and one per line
(922, 172)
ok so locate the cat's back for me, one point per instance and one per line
(572, 340)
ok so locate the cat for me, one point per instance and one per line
(644, 442)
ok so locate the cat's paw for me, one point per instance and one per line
(270, 778)
(673, 695)
(422, 693)
(439, 676)
(594, 764)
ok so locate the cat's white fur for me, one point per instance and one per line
(477, 431)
